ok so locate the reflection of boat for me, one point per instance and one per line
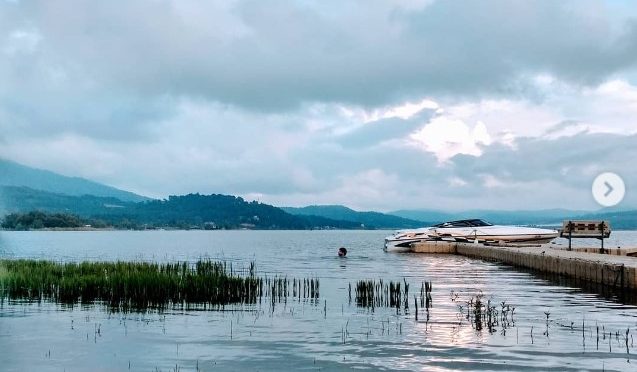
(470, 230)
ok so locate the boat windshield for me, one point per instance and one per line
(464, 223)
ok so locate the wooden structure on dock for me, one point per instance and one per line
(585, 229)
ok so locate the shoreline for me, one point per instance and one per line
(54, 229)
(60, 229)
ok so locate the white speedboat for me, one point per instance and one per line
(470, 230)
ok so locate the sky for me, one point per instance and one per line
(378, 105)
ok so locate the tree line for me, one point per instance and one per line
(192, 211)
(35, 220)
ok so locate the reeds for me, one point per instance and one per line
(481, 314)
(139, 285)
(425, 299)
(425, 295)
(280, 288)
(372, 294)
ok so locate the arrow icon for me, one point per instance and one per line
(609, 189)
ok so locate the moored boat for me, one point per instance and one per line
(470, 230)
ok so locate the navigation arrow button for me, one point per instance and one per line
(608, 189)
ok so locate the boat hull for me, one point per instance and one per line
(506, 234)
(399, 245)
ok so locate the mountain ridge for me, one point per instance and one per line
(24, 189)
(366, 218)
(15, 174)
(213, 211)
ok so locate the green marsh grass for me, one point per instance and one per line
(128, 285)
(3, 272)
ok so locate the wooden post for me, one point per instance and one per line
(570, 234)
(601, 227)
(622, 279)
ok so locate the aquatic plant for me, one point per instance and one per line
(372, 294)
(481, 313)
(140, 285)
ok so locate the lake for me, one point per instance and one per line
(554, 325)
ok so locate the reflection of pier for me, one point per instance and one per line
(616, 269)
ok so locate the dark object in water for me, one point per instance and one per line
(342, 252)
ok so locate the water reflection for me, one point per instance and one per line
(4, 247)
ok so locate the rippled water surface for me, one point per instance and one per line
(582, 331)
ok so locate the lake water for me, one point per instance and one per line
(329, 334)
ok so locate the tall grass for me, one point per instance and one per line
(371, 294)
(128, 285)
(3, 271)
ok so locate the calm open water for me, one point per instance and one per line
(329, 335)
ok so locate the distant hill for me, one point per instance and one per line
(188, 211)
(14, 174)
(368, 219)
(223, 211)
(423, 215)
(20, 199)
(230, 212)
(537, 217)
(620, 219)
(24, 189)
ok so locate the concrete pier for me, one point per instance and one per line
(435, 247)
(611, 251)
(619, 271)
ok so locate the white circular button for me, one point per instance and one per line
(608, 189)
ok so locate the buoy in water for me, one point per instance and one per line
(342, 252)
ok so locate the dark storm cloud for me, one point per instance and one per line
(489, 45)
(274, 55)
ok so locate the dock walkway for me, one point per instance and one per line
(618, 271)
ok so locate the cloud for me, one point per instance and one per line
(110, 70)
(561, 127)
(382, 104)
(385, 129)
(21, 41)
(448, 137)
(214, 148)
(278, 55)
(572, 161)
